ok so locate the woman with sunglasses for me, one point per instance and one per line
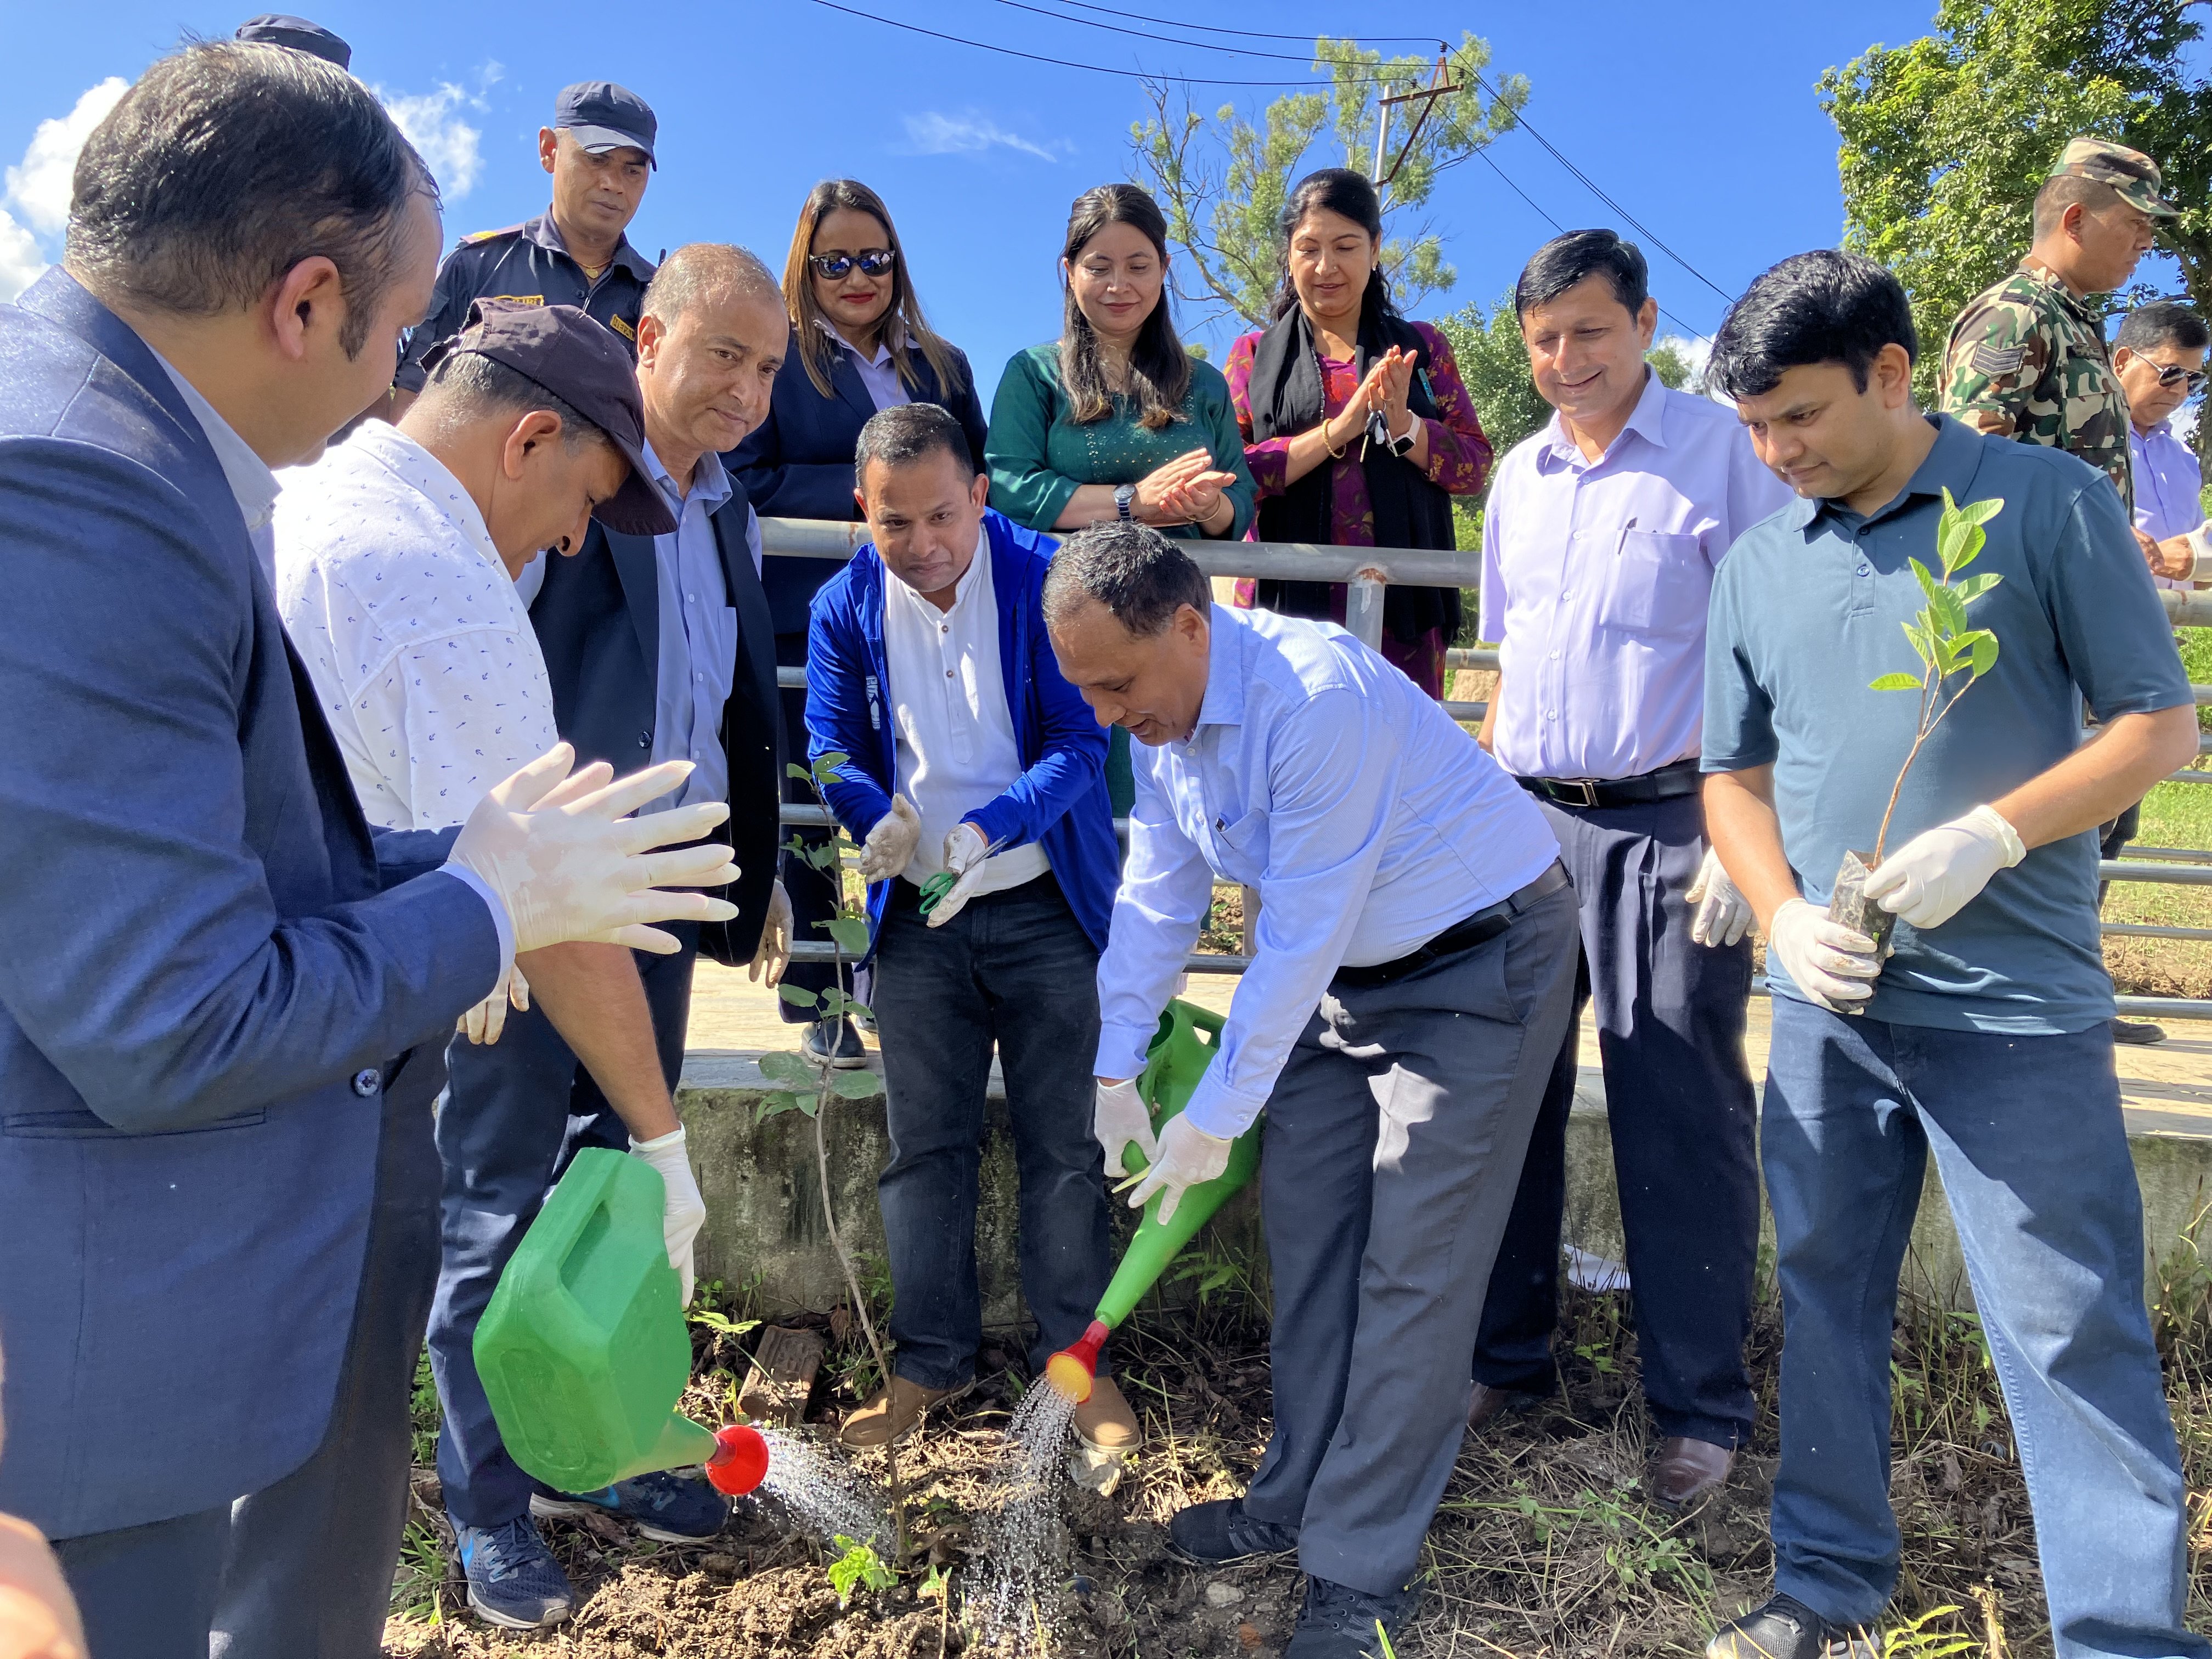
(858, 344)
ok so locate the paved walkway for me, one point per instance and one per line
(2166, 1088)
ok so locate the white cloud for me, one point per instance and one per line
(449, 146)
(20, 262)
(40, 184)
(934, 133)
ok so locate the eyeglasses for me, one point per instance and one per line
(872, 263)
(2175, 374)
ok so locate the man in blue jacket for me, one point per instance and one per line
(929, 667)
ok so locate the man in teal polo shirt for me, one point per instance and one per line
(1984, 1037)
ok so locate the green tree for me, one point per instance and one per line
(1945, 140)
(1222, 180)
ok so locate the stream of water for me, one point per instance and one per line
(822, 1493)
(1020, 1537)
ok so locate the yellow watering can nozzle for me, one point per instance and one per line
(1072, 1371)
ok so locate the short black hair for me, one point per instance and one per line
(2163, 322)
(226, 165)
(1136, 573)
(1576, 257)
(905, 433)
(1825, 306)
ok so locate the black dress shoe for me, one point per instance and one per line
(1340, 1622)
(1785, 1628)
(1213, 1535)
(2138, 1031)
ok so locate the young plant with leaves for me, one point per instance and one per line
(803, 1086)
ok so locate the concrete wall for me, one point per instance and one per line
(765, 1221)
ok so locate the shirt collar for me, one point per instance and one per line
(422, 472)
(1224, 703)
(1648, 420)
(890, 336)
(710, 482)
(2163, 432)
(1951, 464)
(252, 484)
(542, 231)
(2044, 278)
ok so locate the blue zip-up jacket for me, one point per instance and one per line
(1059, 800)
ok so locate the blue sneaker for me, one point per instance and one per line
(672, 1508)
(513, 1580)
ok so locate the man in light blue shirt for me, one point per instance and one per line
(698, 659)
(1410, 985)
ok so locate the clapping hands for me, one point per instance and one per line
(1187, 490)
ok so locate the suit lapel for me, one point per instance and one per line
(637, 565)
(755, 630)
(846, 380)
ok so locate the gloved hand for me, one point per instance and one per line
(1119, 1118)
(484, 1023)
(1830, 964)
(685, 1211)
(773, 954)
(1934, 876)
(1188, 1157)
(966, 852)
(1723, 915)
(569, 864)
(890, 846)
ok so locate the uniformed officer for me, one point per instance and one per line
(600, 151)
(2026, 358)
(276, 28)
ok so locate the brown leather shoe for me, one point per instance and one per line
(1687, 1469)
(1488, 1405)
(1104, 1422)
(893, 1414)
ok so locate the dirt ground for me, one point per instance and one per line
(1545, 1543)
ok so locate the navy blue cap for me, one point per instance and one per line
(603, 116)
(275, 29)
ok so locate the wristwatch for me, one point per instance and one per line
(1123, 495)
(1405, 444)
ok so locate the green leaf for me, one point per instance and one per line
(851, 933)
(1926, 578)
(786, 1068)
(827, 767)
(1895, 683)
(1982, 512)
(1984, 648)
(1921, 632)
(855, 1085)
(1950, 614)
(794, 769)
(1973, 588)
(797, 997)
(776, 1105)
(821, 856)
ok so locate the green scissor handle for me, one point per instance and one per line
(936, 888)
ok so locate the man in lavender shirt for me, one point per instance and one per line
(1600, 542)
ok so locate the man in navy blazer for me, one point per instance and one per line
(969, 753)
(222, 996)
(657, 647)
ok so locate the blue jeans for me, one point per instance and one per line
(2029, 1140)
(1013, 969)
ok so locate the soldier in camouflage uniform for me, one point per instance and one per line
(2026, 358)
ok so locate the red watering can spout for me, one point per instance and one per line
(740, 1460)
(1072, 1371)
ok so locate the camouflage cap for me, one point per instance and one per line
(2129, 172)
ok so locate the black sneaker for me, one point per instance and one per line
(1215, 1534)
(834, 1042)
(672, 1509)
(1339, 1622)
(2137, 1031)
(513, 1580)
(1785, 1628)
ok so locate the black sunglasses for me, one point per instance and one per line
(2175, 374)
(873, 262)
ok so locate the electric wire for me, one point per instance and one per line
(1251, 35)
(1306, 58)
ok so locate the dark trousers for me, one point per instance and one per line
(1015, 969)
(516, 1112)
(148, 1592)
(2028, 1139)
(813, 892)
(309, 1575)
(1394, 1137)
(1679, 1102)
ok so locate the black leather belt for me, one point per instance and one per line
(1463, 935)
(1682, 778)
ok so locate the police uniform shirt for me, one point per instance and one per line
(528, 263)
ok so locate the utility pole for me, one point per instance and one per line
(1426, 98)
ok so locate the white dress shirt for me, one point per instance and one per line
(879, 374)
(252, 485)
(418, 644)
(955, 748)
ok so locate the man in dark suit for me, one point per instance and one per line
(224, 997)
(658, 648)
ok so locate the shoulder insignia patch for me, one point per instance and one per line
(621, 327)
(516, 299)
(475, 236)
(1993, 360)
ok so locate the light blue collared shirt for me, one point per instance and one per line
(698, 654)
(2167, 482)
(1369, 821)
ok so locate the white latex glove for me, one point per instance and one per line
(484, 1023)
(1830, 964)
(966, 852)
(569, 863)
(1119, 1118)
(1723, 915)
(890, 846)
(685, 1210)
(1934, 876)
(1188, 1157)
(773, 954)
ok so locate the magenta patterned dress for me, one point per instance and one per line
(1459, 462)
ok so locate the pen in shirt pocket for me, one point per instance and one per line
(1621, 546)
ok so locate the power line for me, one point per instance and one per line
(1067, 63)
(1249, 35)
(1141, 35)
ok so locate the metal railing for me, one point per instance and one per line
(1367, 572)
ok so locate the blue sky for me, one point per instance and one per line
(1700, 119)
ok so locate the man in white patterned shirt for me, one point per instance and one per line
(396, 555)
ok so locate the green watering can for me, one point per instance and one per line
(583, 1352)
(1181, 1050)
